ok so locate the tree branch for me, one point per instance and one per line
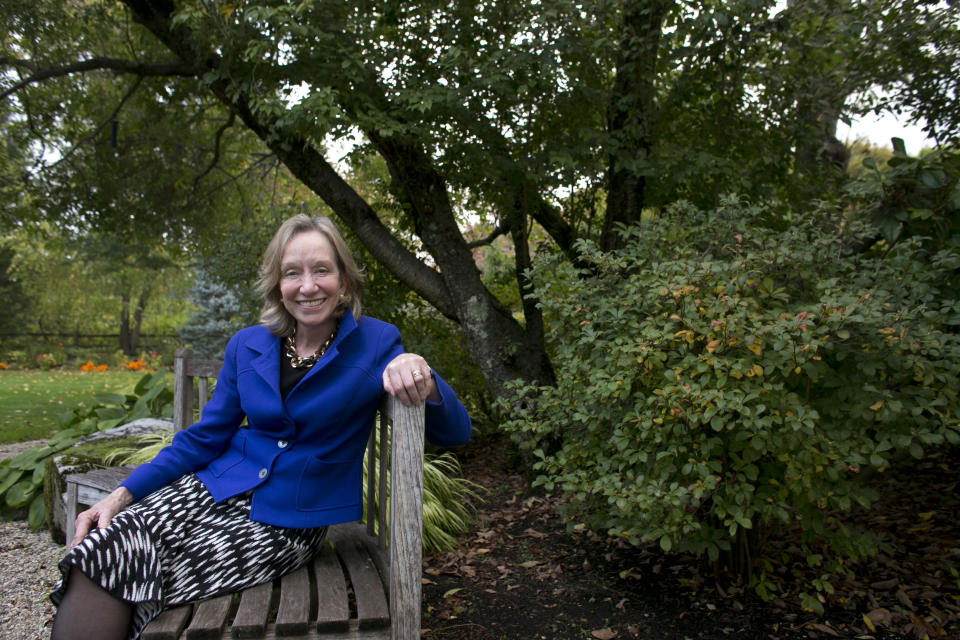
(216, 148)
(482, 242)
(93, 134)
(97, 63)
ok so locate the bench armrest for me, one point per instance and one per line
(406, 517)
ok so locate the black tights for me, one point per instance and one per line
(87, 611)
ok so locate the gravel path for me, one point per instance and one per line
(28, 571)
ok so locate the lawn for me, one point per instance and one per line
(30, 401)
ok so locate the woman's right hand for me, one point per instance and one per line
(100, 514)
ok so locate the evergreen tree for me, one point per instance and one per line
(220, 313)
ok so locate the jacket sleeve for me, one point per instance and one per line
(447, 422)
(195, 447)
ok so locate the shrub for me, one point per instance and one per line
(716, 376)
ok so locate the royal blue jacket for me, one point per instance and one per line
(301, 456)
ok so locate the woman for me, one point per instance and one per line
(225, 507)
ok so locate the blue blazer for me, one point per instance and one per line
(301, 456)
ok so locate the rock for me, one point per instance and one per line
(141, 427)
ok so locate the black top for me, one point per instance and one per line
(289, 377)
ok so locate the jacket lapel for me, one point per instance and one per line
(347, 325)
(267, 364)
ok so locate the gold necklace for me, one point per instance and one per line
(305, 362)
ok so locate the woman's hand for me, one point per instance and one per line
(100, 514)
(408, 378)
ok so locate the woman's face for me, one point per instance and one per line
(310, 284)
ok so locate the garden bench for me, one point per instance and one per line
(365, 584)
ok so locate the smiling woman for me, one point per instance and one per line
(30, 401)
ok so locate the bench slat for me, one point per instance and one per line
(168, 625)
(210, 618)
(333, 610)
(372, 610)
(293, 616)
(101, 479)
(251, 618)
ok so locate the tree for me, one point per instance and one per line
(219, 314)
(10, 292)
(573, 117)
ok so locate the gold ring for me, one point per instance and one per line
(417, 373)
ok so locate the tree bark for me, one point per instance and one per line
(630, 113)
(125, 325)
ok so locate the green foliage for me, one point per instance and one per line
(911, 197)
(21, 478)
(447, 497)
(720, 376)
(10, 292)
(220, 313)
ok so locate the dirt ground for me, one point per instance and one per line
(519, 574)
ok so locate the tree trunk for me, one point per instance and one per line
(630, 114)
(125, 344)
(138, 321)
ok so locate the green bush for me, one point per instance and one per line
(717, 376)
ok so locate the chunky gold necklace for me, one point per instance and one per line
(298, 362)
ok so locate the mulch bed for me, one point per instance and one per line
(520, 574)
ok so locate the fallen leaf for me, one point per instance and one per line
(604, 634)
(885, 585)
(824, 629)
(905, 599)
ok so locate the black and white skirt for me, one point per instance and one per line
(177, 545)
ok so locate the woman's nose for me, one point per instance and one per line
(308, 283)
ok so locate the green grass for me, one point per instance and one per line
(30, 401)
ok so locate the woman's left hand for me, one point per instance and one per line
(409, 379)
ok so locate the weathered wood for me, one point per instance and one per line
(89, 488)
(293, 616)
(406, 522)
(333, 608)
(70, 507)
(209, 618)
(185, 369)
(372, 609)
(169, 624)
(250, 620)
(386, 418)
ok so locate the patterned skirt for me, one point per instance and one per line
(177, 545)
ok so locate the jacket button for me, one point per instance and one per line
(263, 473)
(282, 444)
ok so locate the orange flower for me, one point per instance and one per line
(101, 367)
(3, 365)
(89, 366)
(136, 365)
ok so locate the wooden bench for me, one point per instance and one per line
(366, 584)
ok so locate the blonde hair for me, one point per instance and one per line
(274, 315)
